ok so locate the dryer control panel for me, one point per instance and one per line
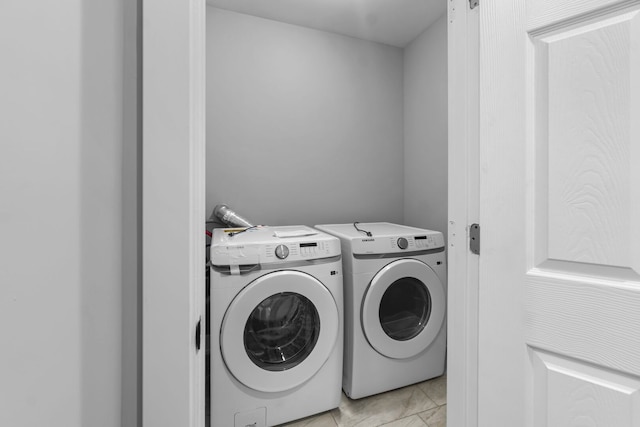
(384, 238)
(415, 242)
(397, 244)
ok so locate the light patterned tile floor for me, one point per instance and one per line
(418, 405)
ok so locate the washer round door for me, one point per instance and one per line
(403, 309)
(279, 331)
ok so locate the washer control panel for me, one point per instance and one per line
(293, 251)
(271, 245)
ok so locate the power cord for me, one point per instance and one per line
(368, 233)
(233, 233)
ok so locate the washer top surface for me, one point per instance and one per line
(384, 238)
(269, 244)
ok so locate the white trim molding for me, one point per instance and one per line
(462, 353)
(173, 212)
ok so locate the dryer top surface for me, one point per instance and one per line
(377, 229)
(384, 238)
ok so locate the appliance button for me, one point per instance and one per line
(403, 243)
(282, 251)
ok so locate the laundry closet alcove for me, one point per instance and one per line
(376, 149)
(311, 125)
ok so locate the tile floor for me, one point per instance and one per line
(419, 405)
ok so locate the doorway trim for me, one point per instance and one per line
(173, 179)
(464, 174)
(173, 212)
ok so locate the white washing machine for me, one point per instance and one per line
(276, 310)
(395, 301)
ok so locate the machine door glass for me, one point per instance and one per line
(282, 331)
(279, 331)
(403, 309)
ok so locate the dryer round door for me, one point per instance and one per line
(279, 331)
(403, 309)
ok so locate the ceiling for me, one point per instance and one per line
(393, 22)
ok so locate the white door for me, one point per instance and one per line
(559, 322)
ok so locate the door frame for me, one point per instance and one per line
(173, 212)
(173, 204)
(464, 209)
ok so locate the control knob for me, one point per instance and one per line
(403, 243)
(282, 251)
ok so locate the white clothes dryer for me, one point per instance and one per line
(395, 303)
(276, 313)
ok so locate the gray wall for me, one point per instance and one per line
(62, 175)
(303, 126)
(425, 129)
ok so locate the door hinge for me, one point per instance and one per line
(474, 238)
(198, 334)
(473, 3)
